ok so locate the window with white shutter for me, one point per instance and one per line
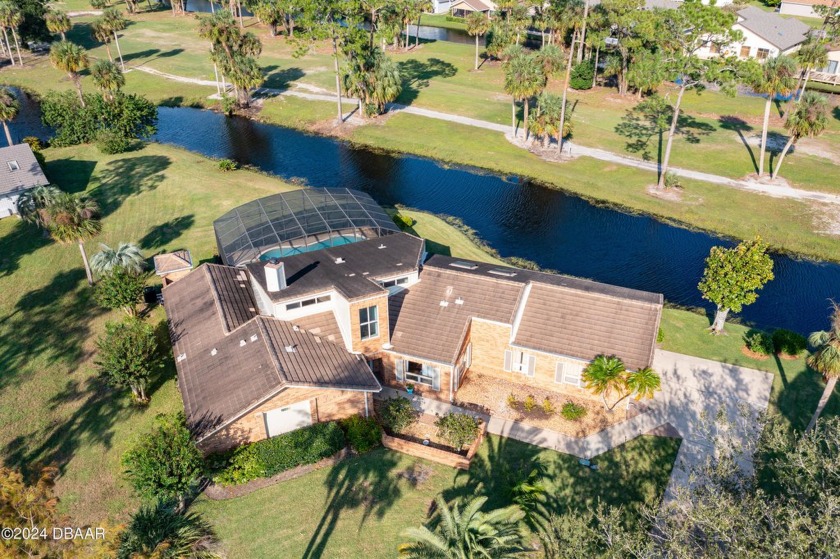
(558, 372)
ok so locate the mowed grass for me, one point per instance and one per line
(359, 507)
(53, 407)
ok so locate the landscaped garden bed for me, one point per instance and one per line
(509, 400)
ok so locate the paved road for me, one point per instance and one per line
(775, 190)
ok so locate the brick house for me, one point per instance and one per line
(287, 337)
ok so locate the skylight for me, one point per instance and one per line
(464, 265)
(502, 272)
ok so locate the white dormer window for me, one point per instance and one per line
(13, 166)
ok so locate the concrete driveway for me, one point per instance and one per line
(694, 392)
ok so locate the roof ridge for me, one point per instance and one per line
(272, 350)
(605, 295)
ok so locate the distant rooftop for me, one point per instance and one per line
(781, 32)
(298, 221)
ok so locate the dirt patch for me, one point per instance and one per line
(826, 219)
(752, 354)
(787, 357)
(219, 493)
(670, 194)
(416, 474)
(492, 395)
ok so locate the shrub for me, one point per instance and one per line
(110, 142)
(98, 4)
(271, 456)
(582, 75)
(363, 433)
(228, 104)
(120, 289)
(458, 429)
(127, 355)
(530, 403)
(404, 221)
(789, 342)
(758, 342)
(548, 407)
(672, 180)
(226, 165)
(34, 142)
(397, 414)
(512, 402)
(572, 411)
(660, 335)
(165, 463)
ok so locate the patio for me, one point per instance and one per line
(491, 396)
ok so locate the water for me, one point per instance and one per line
(335, 241)
(552, 228)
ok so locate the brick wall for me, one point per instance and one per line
(389, 378)
(325, 405)
(374, 344)
(435, 454)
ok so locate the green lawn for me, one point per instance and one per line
(359, 507)
(442, 20)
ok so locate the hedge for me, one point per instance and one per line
(271, 456)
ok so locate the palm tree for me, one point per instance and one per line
(812, 54)
(464, 533)
(524, 78)
(156, 531)
(58, 22)
(9, 107)
(108, 77)
(420, 7)
(11, 17)
(776, 77)
(74, 218)
(605, 375)
(114, 21)
(32, 204)
(72, 59)
(808, 119)
(100, 32)
(643, 383)
(126, 255)
(478, 23)
(826, 360)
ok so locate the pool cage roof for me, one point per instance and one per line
(297, 219)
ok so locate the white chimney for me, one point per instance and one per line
(275, 276)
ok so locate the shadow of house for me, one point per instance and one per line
(367, 483)
(740, 126)
(417, 75)
(128, 177)
(166, 233)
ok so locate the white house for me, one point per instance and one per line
(765, 35)
(19, 171)
(804, 8)
(441, 6)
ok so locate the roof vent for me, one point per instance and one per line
(242, 343)
(181, 357)
(295, 327)
(464, 265)
(502, 272)
(291, 348)
(459, 301)
(339, 260)
(213, 351)
(444, 303)
(382, 245)
(254, 338)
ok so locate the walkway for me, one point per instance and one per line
(313, 94)
(694, 392)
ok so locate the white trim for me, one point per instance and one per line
(416, 357)
(486, 321)
(517, 319)
(560, 355)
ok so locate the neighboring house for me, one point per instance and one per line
(441, 6)
(19, 171)
(463, 8)
(831, 72)
(327, 302)
(804, 8)
(172, 266)
(767, 34)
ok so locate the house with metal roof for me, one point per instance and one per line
(280, 342)
(19, 171)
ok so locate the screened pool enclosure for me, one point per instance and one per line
(298, 221)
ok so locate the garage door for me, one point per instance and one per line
(288, 418)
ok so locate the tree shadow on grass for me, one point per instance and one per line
(836, 112)
(23, 239)
(70, 175)
(165, 233)
(365, 482)
(276, 78)
(417, 75)
(126, 177)
(739, 125)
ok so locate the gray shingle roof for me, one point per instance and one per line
(781, 32)
(28, 174)
(316, 272)
(229, 359)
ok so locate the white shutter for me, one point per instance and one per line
(400, 369)
(532, 365)
(508, 358)
(468, 360)
(558, 372)
(435, 374)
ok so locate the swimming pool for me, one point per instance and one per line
(335, 241)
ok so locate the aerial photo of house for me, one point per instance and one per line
(377, 279)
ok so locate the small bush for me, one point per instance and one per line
(529, 404)
(226, 165)
(34, 142)
(271, 456)
(672, 180)
(548, 407)
(397, 414)
(404, 221)
(789, 342)
(459, 429)
(228, 104)
(98, 4)
(582, 76)
(110, 142)
(758, 342)
(572, 411)
(512, 401)
(363, 433)
(660, 336)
